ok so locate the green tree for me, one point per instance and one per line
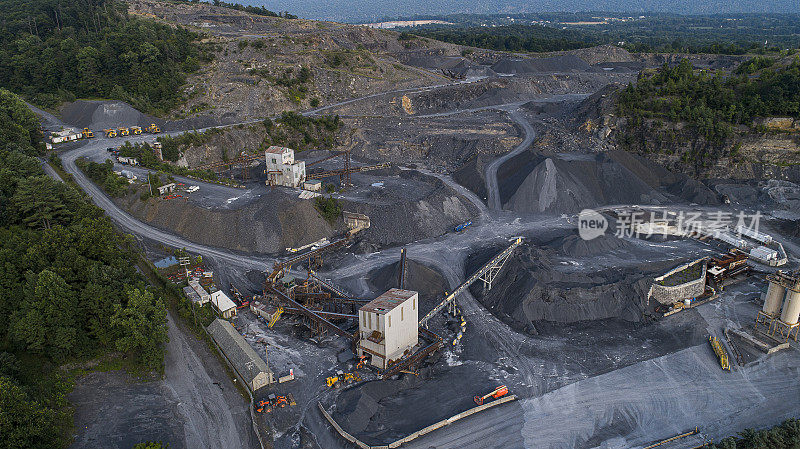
(17, 123)
(46, 321)
(26, 423)
(42, 202)
(142, 327)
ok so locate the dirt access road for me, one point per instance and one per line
(195, 406)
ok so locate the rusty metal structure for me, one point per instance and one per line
(244, 162)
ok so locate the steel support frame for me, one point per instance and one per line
(491, 273)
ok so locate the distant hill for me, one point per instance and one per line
(373, 10)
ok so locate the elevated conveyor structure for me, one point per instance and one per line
(487, 273)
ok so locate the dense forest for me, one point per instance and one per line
(516, 38)
(730, 34)
(783, 436)
(59, 50)
(710, 104)
(69, 290)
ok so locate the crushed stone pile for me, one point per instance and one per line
(557, 64)
(425, 280)
(266, 226)
(401, 216)
(99, 114)
(570, 182)
(536, 286)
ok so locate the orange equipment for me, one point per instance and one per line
(498, 392)
(87, 133)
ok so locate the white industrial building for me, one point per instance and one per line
(389, 326)
(282, 169)
(224, 305)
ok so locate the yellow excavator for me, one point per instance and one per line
(153, 128)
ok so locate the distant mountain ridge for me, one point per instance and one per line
(373, 10)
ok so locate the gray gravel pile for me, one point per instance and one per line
(536, 285)
(557, 64)
(561, 185)
(425, 280)
(570, 182)
(98, 115)
(267, 226)
(400, 216)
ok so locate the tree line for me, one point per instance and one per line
(711, 104)
(53, 51)
(69, 290)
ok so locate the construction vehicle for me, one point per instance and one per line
(362, 362)
(341, 377)
(110, 133)
(124, 131)
(722, 354)
(273, 401)
(462, 226)
(498, 392)
(153, 129)
(275, 317)
(136, 130)
(87, 133)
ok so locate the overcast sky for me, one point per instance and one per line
(369, 10)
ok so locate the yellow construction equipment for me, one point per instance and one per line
(340, 377)
(87, 133)
(720, 351)
(123, 131)
(110, 132)
(153, 128)
(136, 130)
(275, 316)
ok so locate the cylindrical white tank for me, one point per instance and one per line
(791, 307)
(774, 299)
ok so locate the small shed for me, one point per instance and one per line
(224, 305)
(354, 220)
(202, 295)
(312, 185)
(250, 368)
(166, 188)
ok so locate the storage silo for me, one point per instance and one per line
(774, 299)
(791, 308)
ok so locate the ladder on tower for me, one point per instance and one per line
(486, 273)
(275, 317)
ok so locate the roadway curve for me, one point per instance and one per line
(133, 225)
(492, 188)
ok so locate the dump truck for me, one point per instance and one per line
(87, 133)
(153, 129)
(124, 131)
(136, 130)
(110, 133)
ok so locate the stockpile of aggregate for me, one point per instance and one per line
(536, 285)
(98, 115)
(557, 64)
(427, 208)
(269, 225)
(420, 278)
(570, 182)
